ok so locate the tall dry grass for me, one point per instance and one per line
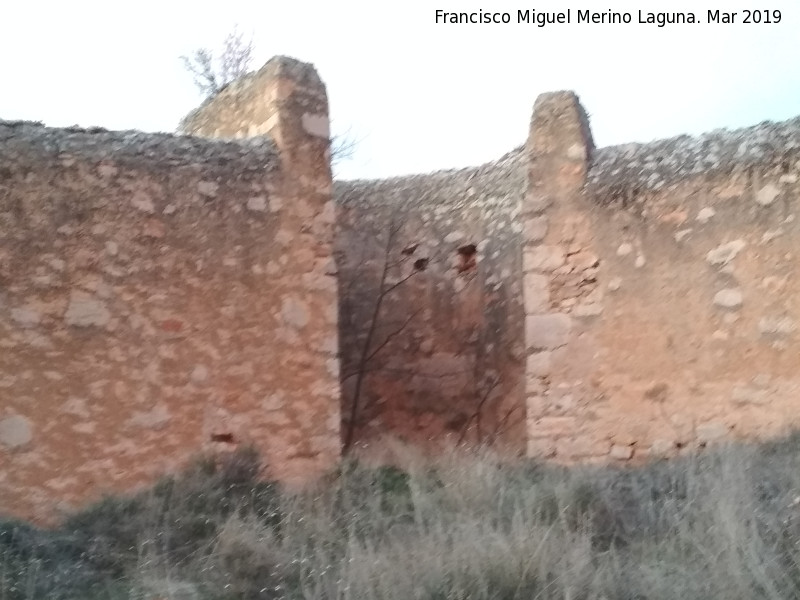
(723, 524)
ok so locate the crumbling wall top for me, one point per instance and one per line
(453, 189)
(157, 150)
(248, 92)
(655, 165)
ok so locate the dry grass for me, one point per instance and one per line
(720, 525)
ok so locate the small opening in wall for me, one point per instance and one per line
(222, 438)
(421, 264)
(468, 258)
(409, 250)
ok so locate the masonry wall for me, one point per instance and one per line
(431, 353)
(583, 303)
(161, 296)
(435, 352)
(661, 288)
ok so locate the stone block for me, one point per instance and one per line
(547, 332)
(536, 293)
(538, 364)
(535, 229)
(725, 253)
(540, 448)
(542, 258)
(618, 452)
(86, 311)
(551, 427)
(16, 431)
(711, 432)
(730, 298)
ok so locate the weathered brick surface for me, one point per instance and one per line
(161, 295)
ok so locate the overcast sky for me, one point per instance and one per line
(418, 96)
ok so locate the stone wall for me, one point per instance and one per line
(432, 352)
(441, 335)
(574, 302)
(162, 295)
(661, 287)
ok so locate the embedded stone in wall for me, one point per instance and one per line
(587, 309)
(547, 332)
(749, 394)
(535, 229)
(537, 293)
(728, 298)
(316, 125)
(619, 452)
(25, 317)
(257, 203)
(776, 326)
(538, 364)
(295, 313)
(208, 189)
(725, 253)
(767, 194)
(141, 201)
(537, 202)
(543, 258)
(156, 418)
(661, 448)
(704, 214)
(624, 249)
(16, 431)
(711, 432)
(86, 311)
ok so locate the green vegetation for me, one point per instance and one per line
(724, 524)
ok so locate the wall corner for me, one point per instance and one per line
(558, 151)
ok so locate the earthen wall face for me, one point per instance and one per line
(161, 296)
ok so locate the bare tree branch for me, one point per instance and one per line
(232, 62)
(212, 72)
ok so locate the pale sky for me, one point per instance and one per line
(417, 96)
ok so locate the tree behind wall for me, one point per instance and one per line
(382, 300)
(212, 72)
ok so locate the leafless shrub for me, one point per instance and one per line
(213, 71)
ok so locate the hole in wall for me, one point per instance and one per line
(409, 250)
(467, 258)
(421, 264)
(222, 438)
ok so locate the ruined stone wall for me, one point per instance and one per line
(443, 333)
(661, 288)
(631, 301)
(164, 295)
(245, 108)
(445, 356)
